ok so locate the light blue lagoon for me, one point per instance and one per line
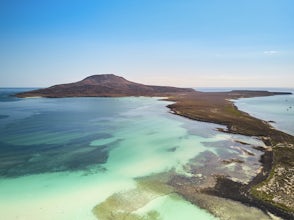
(60, 158)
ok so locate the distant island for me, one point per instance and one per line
(104, 85)
(273, 187)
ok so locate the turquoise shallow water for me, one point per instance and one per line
(59, 158)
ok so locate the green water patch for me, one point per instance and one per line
(152, 199)
(122, 205)
(174, 207)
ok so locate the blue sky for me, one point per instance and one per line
(168, 42)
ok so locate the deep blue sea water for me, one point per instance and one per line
(59, 158)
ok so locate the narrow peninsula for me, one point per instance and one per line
(272, 189)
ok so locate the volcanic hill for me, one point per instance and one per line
(104, 85)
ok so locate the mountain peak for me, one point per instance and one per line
(104, 79)
(103, 76)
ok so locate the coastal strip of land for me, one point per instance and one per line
(273, 188)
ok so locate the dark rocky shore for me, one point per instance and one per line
(271, 190)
